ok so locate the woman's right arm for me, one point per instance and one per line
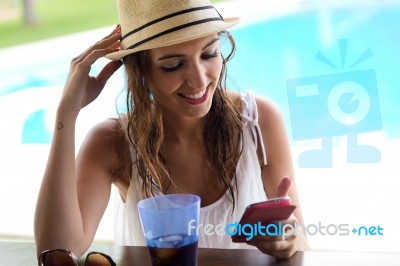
(75, 193)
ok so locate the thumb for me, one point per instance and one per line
(108, 71)
(284, 186)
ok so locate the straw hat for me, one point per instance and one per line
(148, 24)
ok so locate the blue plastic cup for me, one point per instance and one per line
(169, 225)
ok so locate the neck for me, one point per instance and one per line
(183, 130)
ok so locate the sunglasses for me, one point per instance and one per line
(64, 257)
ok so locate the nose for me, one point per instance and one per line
(197, 76)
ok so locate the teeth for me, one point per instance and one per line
(194, 96)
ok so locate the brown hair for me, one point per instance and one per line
(222, 135)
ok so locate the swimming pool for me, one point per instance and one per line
(331, 69)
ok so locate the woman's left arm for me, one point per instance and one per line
(278, 179)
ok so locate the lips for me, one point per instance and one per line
(195, 98)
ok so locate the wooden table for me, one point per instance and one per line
(23, 253)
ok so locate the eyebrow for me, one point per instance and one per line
(181, 55)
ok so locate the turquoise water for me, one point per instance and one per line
(276, 58)
(313, 45)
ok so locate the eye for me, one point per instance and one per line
(172, 67)
(213, 54)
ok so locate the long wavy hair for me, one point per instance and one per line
(222, 135)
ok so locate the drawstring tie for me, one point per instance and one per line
(251, 117)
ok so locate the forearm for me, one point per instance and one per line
(61, 220)
(58, 220)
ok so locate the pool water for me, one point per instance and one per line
(269, 54)
(273, 52)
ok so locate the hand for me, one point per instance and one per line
(278, 246)
(81, 88)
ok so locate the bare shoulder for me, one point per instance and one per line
(104, 133)
(235, 97)
(106, 144)
(269, 114)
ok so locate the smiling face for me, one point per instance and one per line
(184, 77)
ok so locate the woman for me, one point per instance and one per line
(183, 133)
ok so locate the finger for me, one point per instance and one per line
(285, 229)
(284, 254)
(278, 249)
(110, 41)
(269, 246)
(96, 54)
(284, 187)
(108, 71)
(116, 33)
(287, 235)
(116, 30)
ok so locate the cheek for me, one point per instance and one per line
(161, 83)
(217, 68)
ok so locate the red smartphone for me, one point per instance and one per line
(266, 212)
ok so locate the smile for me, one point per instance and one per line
(195, 98)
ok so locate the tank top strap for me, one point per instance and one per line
(250, 117)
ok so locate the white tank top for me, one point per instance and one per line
(127, 227)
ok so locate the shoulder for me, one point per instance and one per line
(105, 144)
(235, 97)
(268, 111)
(273, 131)
(269, 114)
(105, 132)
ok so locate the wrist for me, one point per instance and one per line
(302, 241)
(66, 114)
